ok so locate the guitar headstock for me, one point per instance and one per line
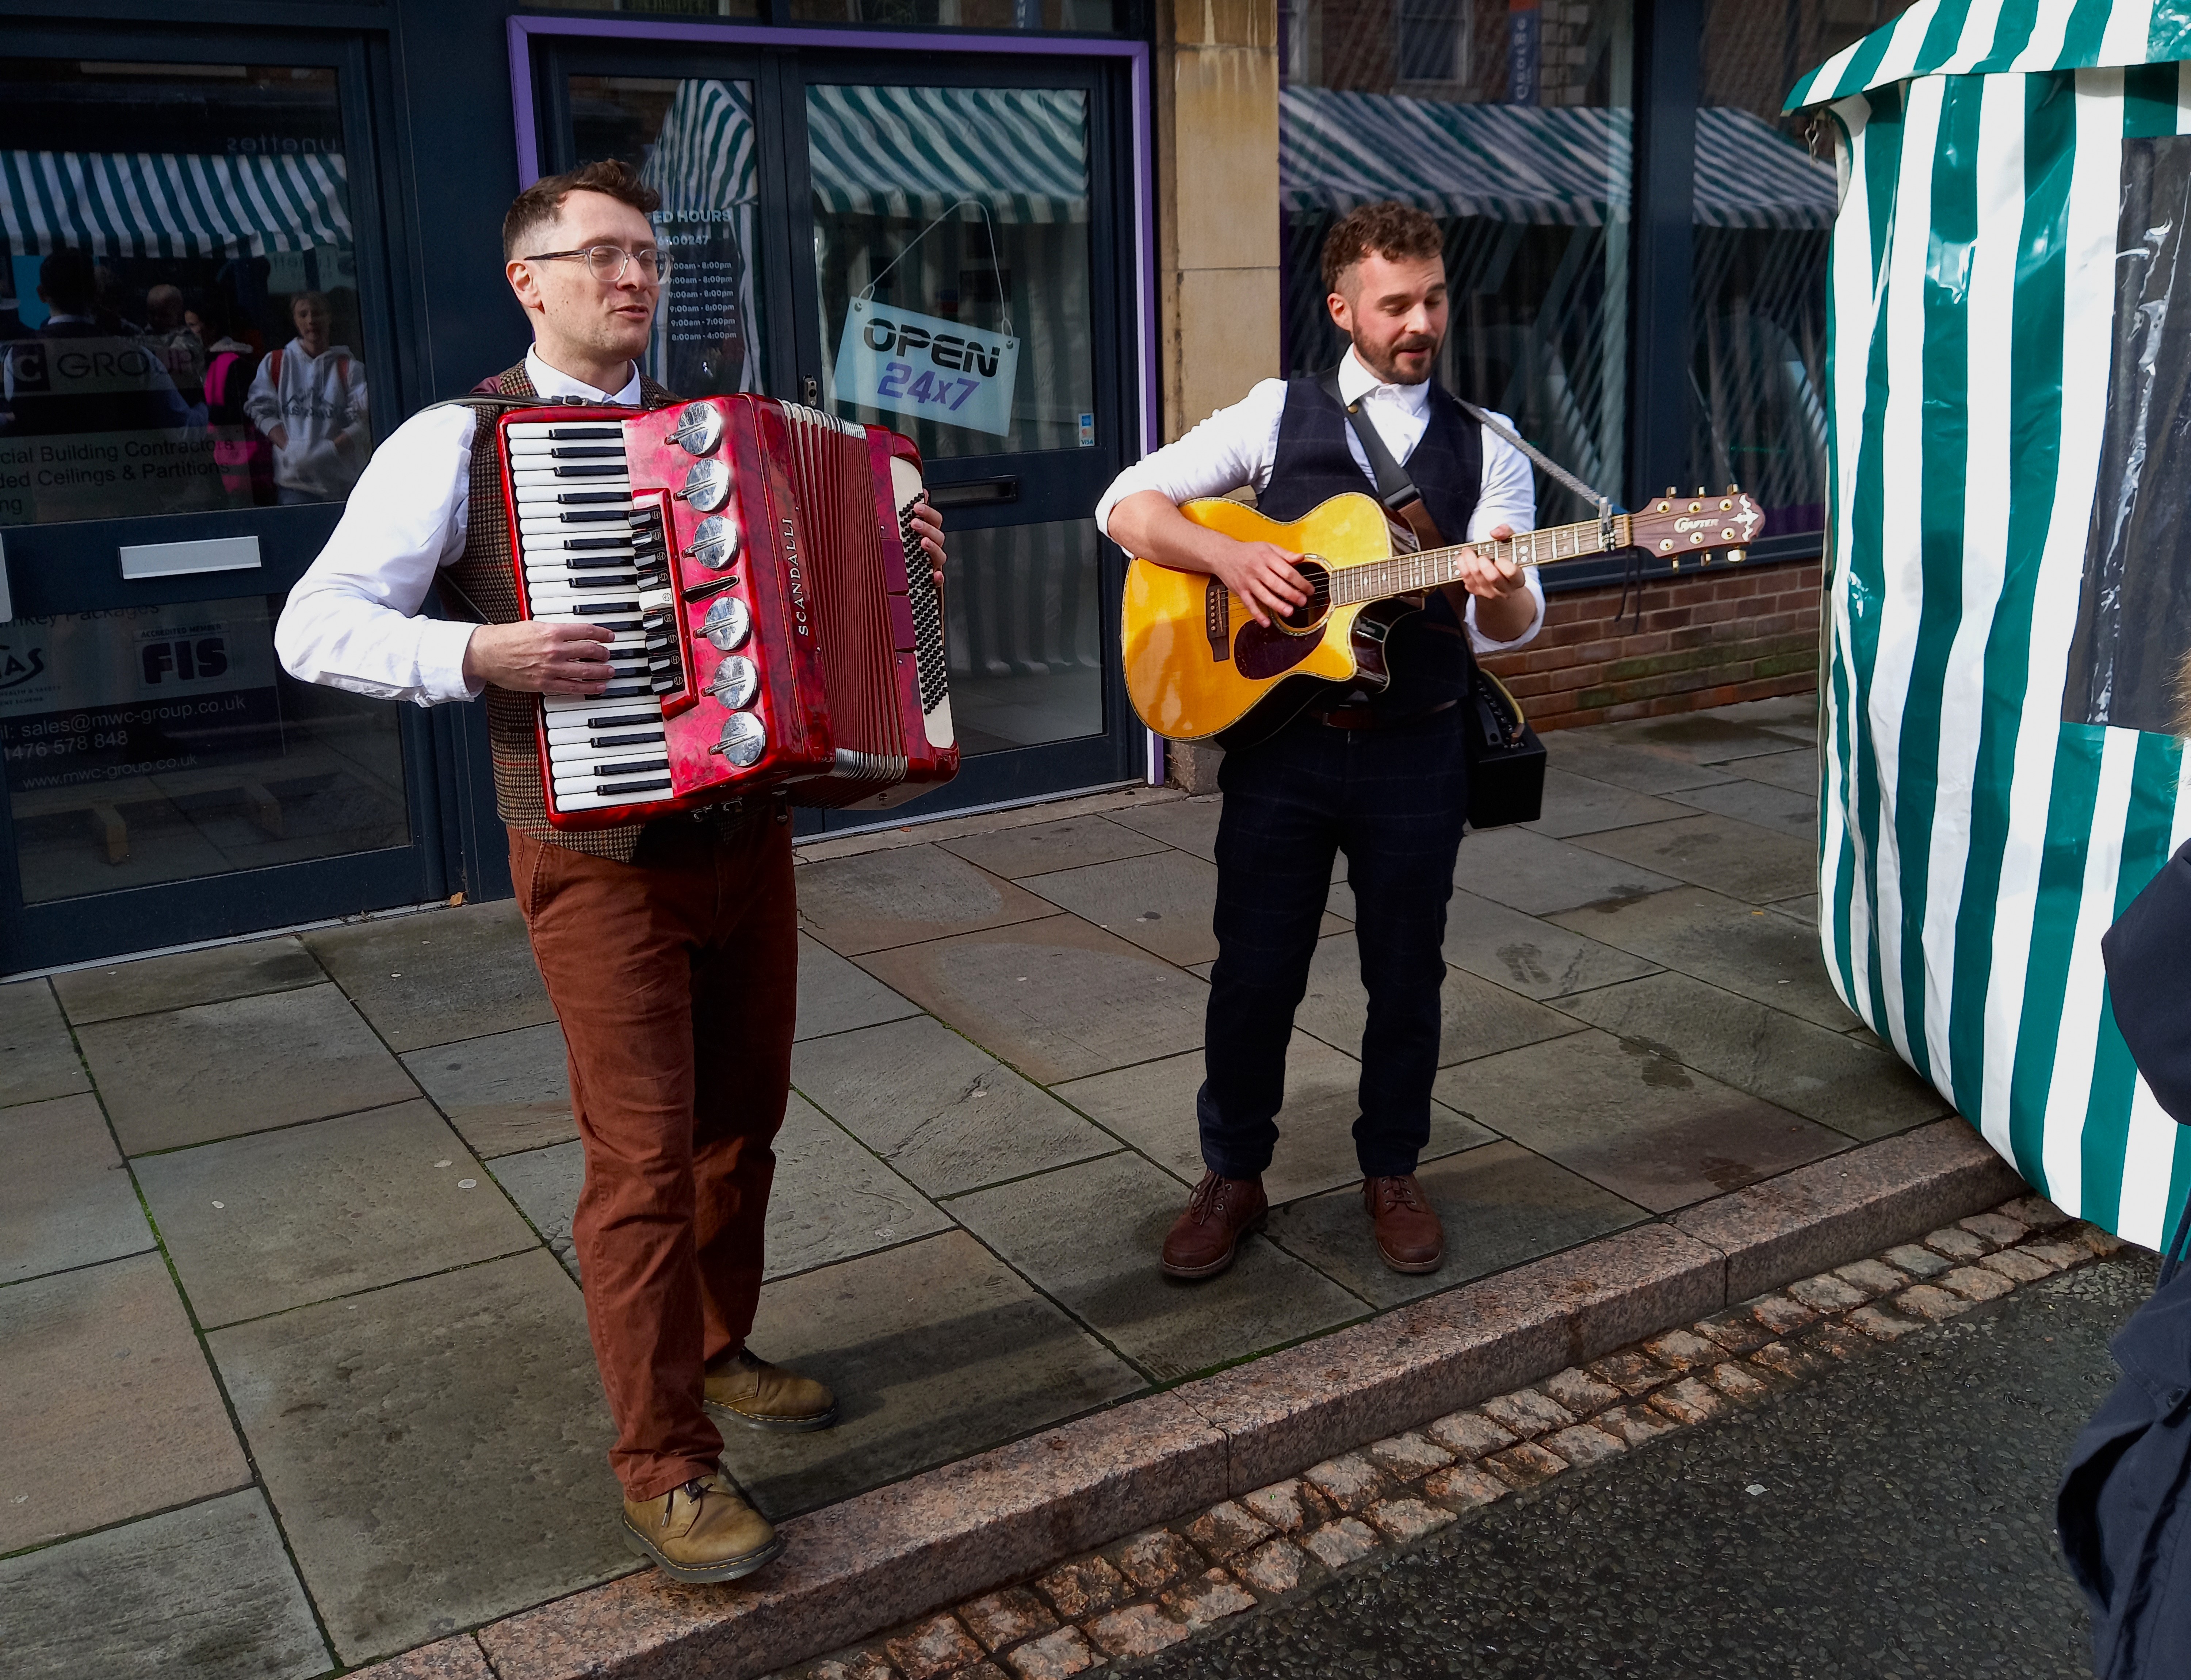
(1674, 526)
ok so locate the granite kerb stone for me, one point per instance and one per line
(1287, 1412)
(884, 1556)
(457, 1659)
(1848, 1205)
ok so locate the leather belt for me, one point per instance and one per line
(1368, 717)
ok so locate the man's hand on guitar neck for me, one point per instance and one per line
(1148, 525)
(1504, 605)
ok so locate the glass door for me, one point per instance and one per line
(191, 347)
(933, 245)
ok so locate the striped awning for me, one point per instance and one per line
(1561, 166)
(1021, 153)
(703, 159)
(1986, 37)
(172, 204)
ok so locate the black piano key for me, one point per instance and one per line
(583, 516)
(604, 740)
(631, 767)
(564, 452)
(610, 470)
(573, 434)
(625, 691)
(619, 720)
(606, 789)
(618, 606)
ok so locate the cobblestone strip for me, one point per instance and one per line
(1154, 1589)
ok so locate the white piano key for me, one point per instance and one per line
(537, 429)
(560, 706)
(602, 802)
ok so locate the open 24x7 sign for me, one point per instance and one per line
(922, 365)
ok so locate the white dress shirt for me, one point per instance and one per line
(352, 621)
(1239, 446)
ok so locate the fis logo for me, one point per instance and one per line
(185, 660)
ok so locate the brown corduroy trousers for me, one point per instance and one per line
(675, 978)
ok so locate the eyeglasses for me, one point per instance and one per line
(607, 263)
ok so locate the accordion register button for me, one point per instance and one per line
(715, 542)
(737, 681)
(699, 428)
(728, 623)
(707, 486)
(742, 740)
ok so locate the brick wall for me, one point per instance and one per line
(1706, 639)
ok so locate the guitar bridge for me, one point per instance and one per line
(1218, 613)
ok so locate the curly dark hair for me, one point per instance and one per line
(540, 203)
(1393, 230)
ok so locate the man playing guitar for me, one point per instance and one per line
(1382, 776)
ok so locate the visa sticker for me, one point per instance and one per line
(905, 363)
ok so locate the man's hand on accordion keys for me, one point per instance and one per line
(932, 537)
(540, 657)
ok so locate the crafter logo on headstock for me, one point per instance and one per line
(1675, 525)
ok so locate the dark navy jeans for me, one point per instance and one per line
(1393, 799)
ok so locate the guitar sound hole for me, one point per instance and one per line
(1317, 608)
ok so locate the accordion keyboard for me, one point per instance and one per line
(590, 557)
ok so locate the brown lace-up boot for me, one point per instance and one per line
(702, 1532)
(768, 1397)
(1409, 1235)
(1219, 1212)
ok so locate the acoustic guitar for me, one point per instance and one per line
(1199, 666)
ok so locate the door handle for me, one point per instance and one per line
(974, 493)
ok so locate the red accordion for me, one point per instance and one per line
(775, 621)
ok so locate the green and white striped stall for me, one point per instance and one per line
(2004, 607)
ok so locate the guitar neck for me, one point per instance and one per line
(1409, 573)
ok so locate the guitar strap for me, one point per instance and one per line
(1395, 489)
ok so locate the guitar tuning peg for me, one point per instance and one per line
(1734, 489)
(1736, 556)
(1671, 491)
(1701, 490)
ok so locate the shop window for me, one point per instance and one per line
(1510, 123)
(1764, 214)
(178, 306)
(1086, 17)
(1025, 634)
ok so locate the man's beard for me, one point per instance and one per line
(1386, 368)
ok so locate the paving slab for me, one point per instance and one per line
(1661, 1134)
(1638, 768)
(202, 1593)
(1577, 805)
(855, 905)
(1500, 1204)
(837, 996)
(249, 1064)
(437, 1451)
(1796, 715)
(935, 1350)
(1522, 953)
(939, 1109)
(832, 1199)
(1778, 809)
(1796, 770)
(177, 981)
(1162, 902)
(37, 1058)
(1477, 1017)
(1859, 1090)
(1803, 908)
(66, 1199)
(1190, 824)
(1737, 858)
(1752, 953)
(261, 1224)
(111, 1409)
(1701, 738)
(1057, 999)
(1541, 876)
(1041, 847)
(503, 1093)
(439, 976)
(1151, 1105)
(1089, 1237)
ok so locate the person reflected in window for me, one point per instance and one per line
(309, 399)
(168, 335)
(244, 456)
(72, 375)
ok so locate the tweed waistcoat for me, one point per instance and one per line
(481, 585)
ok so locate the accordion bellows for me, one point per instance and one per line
(775, 622)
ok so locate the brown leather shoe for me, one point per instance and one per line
(702, 1532)
(1409, 1235)
(1219, 1212)
(769, 1397)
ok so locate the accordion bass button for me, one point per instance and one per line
(728, 623)
(699, 428)
(716, 541)
(737, 681)
(707, 486)
(743, 740)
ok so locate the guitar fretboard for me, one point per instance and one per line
(1409, 573)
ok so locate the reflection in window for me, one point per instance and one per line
(691, 141)
(165, 743)
(179, 311)
(1508, 123)
(1764, 213)
(1025, 639)
(951, 247)
(1084, 16)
